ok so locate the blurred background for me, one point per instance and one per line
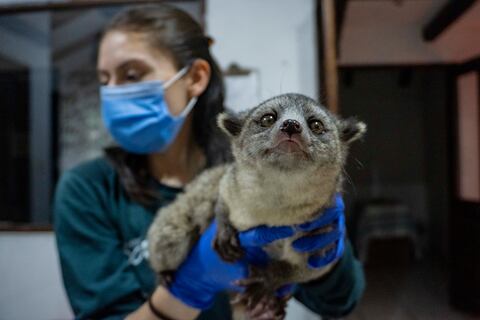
(408, 68)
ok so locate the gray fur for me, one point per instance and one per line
(263, 186)
(177, 226)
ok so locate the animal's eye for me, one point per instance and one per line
(268, 120)
(317, 127)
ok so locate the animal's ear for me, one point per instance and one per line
(230, 123)
(351, 129)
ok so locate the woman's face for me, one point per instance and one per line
(126, 57)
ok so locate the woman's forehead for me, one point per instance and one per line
(118, 47)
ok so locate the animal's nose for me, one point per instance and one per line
(291, 126)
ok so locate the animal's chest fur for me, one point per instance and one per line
(276, 199)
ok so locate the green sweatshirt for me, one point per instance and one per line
(100, 235)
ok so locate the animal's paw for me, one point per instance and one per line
(260, 301)
(269, 308)
(260, 295)
(227, 245)
(257, 287)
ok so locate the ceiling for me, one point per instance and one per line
(390, 32)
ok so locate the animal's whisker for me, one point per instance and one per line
(359, 163)
(350, 181)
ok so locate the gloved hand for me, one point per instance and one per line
(332, 216)
(204, 273)
(253, 240)
(313, 244)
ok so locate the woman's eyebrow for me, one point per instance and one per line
(122, 65)
(128, 62)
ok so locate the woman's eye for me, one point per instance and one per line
(268, 120)
(317, 127)
(132, 76)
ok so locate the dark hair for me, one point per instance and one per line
(176, 33)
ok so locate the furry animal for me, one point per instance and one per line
(289, 154)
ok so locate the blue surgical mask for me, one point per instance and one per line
(137, 115)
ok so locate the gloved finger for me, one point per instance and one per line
(327, 217)
(319, 261)
(286, 290)
(316, 242)
(263, 235)
(341, 224)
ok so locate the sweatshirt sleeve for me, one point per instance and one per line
(97, 276)
(336, 294)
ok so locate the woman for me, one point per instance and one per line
(161, 91)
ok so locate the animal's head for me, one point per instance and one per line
(288, 132)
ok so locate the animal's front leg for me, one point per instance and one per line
(260, 295)
(226, 241)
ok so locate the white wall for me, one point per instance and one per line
(276, 38)
(31, 285)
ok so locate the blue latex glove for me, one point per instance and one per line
(254, 239)
(332, 216)
(204, 273)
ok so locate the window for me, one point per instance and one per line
(50, 118)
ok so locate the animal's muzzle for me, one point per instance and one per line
(291, 127)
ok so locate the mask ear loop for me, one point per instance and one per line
(177, 76)
(188, 108)
(192, 101)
